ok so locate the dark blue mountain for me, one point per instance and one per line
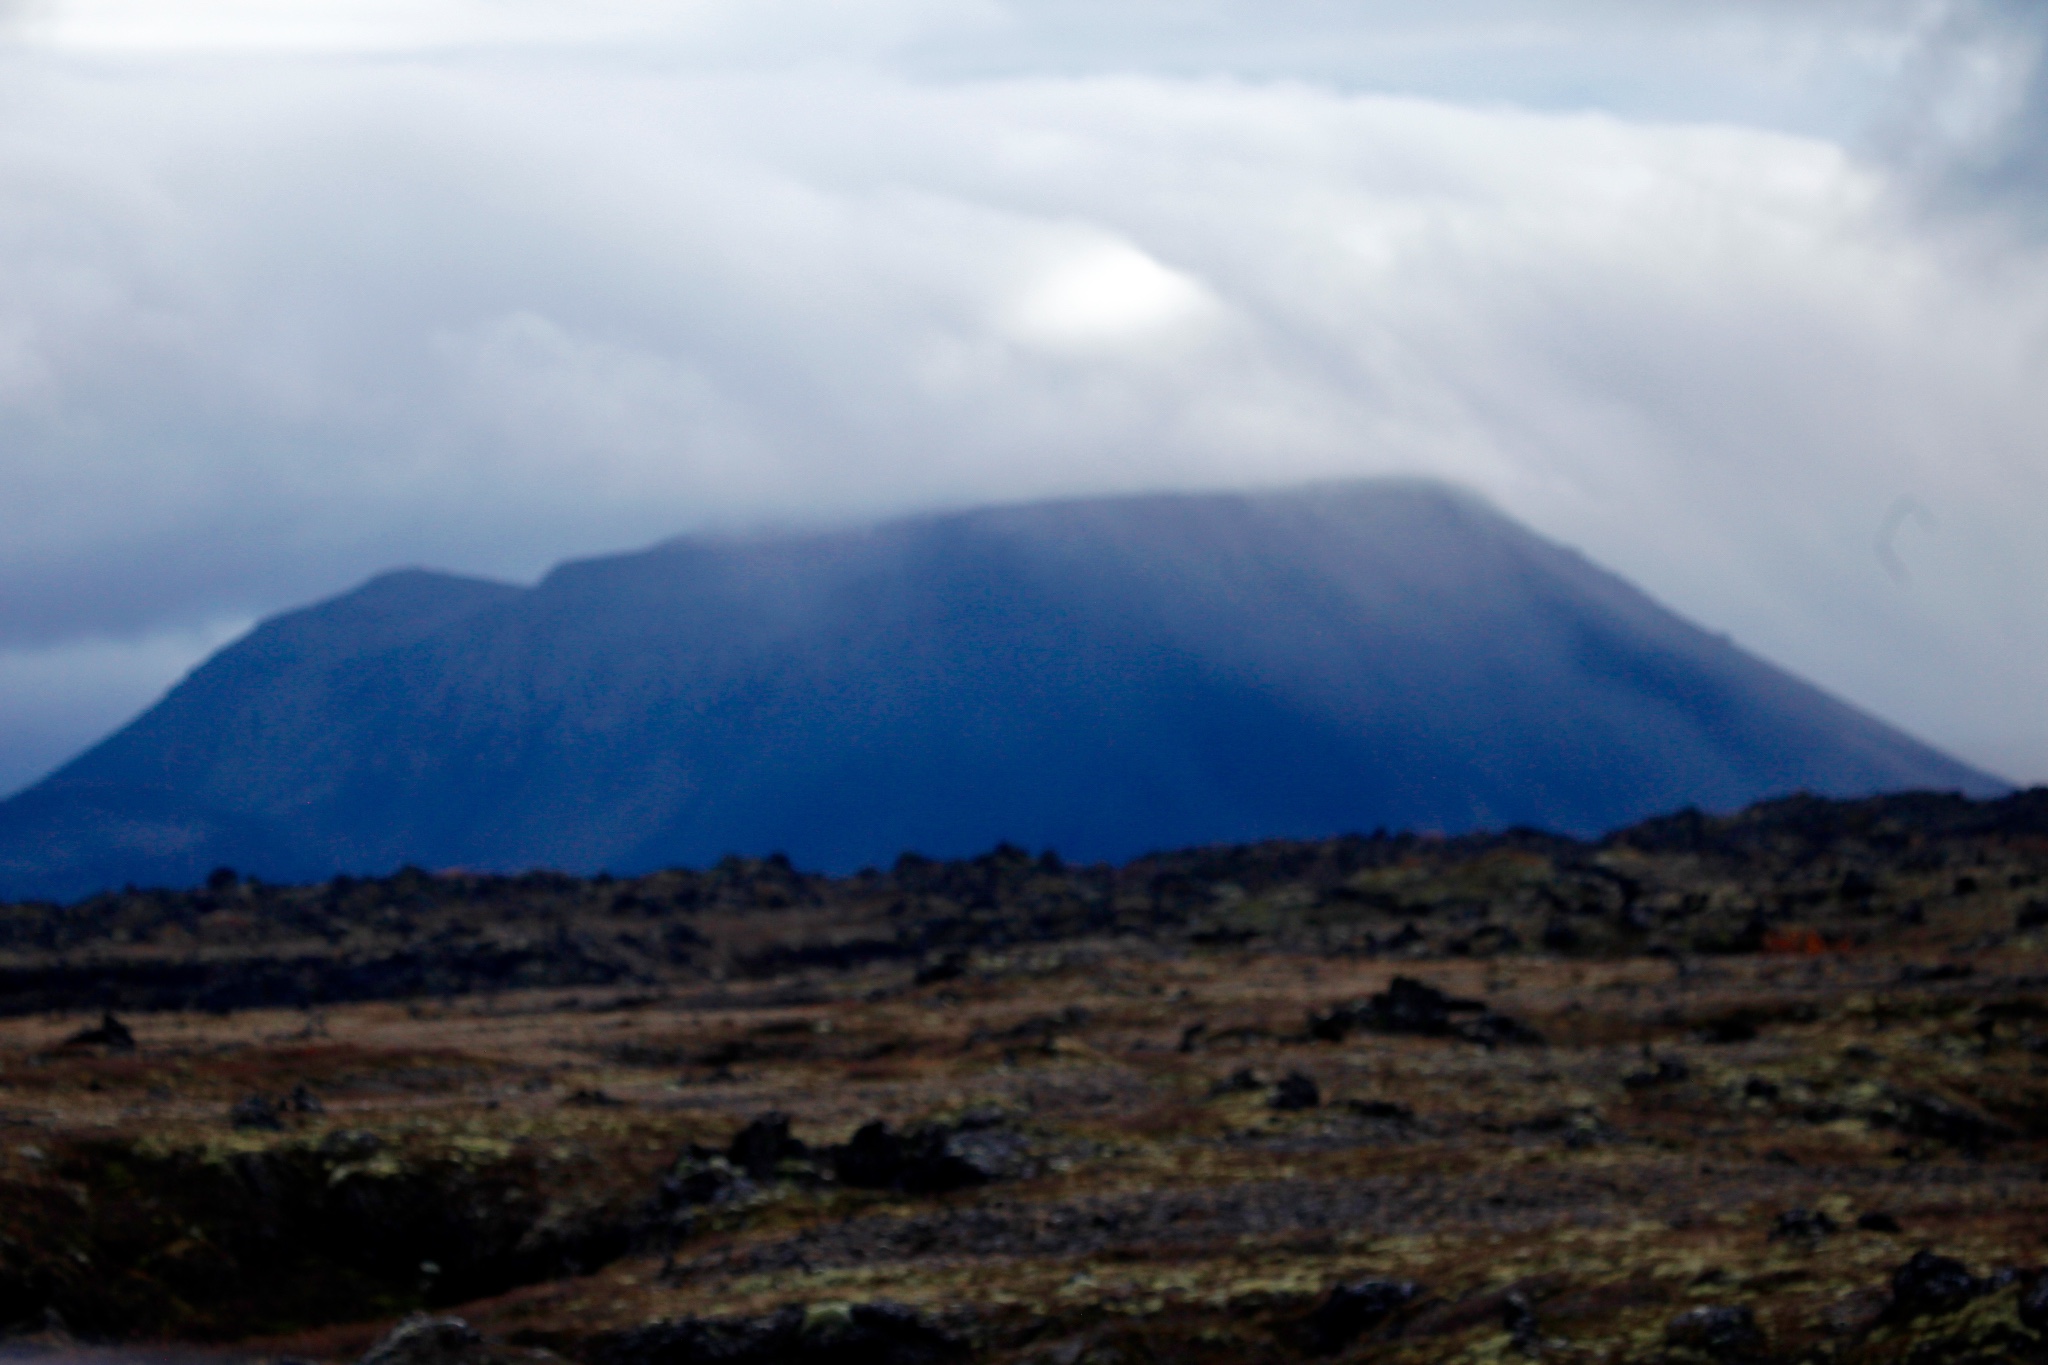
(1102, 677)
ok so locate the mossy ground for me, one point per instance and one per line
(1169, 1219)
(1839, 1013)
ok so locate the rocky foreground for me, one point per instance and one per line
(1765, 1088)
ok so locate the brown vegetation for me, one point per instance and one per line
(1364, 1099)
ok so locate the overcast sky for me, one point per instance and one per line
(1746, 299)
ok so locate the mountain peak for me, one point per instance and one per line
(1100, 675)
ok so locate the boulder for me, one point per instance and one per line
(872, 1159)
(1243, 1081)
(872, 1334)
(110, 1034)
(349, 1144)
(1804, 1225)
(1381, 1109)
(423, 1340)
(760, 1154)
(1492, 1030)
(590, 1098)
(942, 1158)
(934, 1158)
(1930, 1286)
(702, 1178)
(1296, 1090)
(1718, 1331)
(764, 1145)
(1931, 1116)
(1738, 1027)
(1415, 1007)
(1358, 1307)
(1518, 1319)
(2033, 1305)
(1410, 1006)
(256, 1112)
(878, 1333)
(1668, 1071)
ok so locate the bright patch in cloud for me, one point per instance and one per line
(1103, 294)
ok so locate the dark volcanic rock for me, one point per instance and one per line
(702, 1178)
(1806, 1225)
(763, 1145)
(1739, 1027)
(424, 1341)
(860, 1334)
(1296, 1090)
(933, 1158)
(1518, 1317)
(1405, 1006)
(257, 1112)
(872, 1158)
(1352, 1309)
(1668, 1071)
(1491, 1030)
(1720, 1331)
(762, 1159)
(949, 1158)
(1929, 1285)
(2033, 1305)
(1381, 1109)
(349, 1144)
(1242, 1081)
(1931, 1116)
(111, 1034)
(587, 1098)
(1102, 676)
(1411, 1006)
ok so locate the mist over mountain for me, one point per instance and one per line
(1101, 676)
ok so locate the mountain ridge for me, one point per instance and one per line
(1098, 675)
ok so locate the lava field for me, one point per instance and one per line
(1764, 1087)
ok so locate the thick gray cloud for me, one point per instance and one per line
(292, 294)
(1970, 120)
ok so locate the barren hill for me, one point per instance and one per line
(1102, 677)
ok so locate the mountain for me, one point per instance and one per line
(1099, 676)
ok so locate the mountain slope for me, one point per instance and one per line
(1100, 676)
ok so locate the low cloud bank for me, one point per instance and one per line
(287, 301)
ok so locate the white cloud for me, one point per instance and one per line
(288, 296)
(702, 28)
(1104, 293)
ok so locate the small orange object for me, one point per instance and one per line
(1801, 942)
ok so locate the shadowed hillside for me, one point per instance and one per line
(1101, 677)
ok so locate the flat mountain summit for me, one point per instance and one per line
(1101, 676)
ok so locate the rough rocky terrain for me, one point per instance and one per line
(1770, 1087)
